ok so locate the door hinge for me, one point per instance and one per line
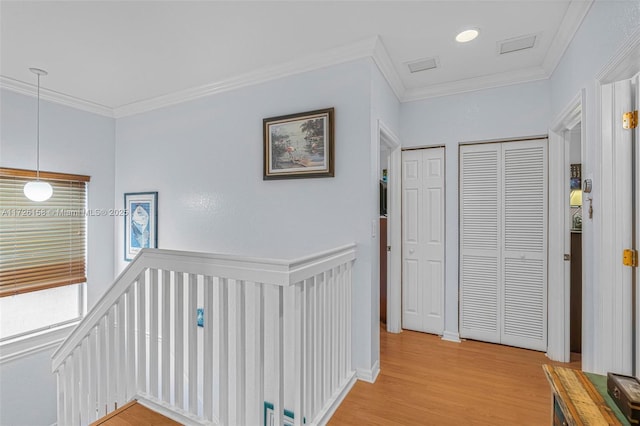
(567, 256)
(630, 120)
(630, 257)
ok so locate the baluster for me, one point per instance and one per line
(256, 350)
(75, 390)
(299, 352)
(239, 372)
(278, 355)
(319, 346)
(84, 381)
(102, 366)
(335, 333)
(207, 391)
(93, 374)
(61, 391)
(166, 336)
(343, 321)
(153, 332)
(68, 391)
(131, 343)
(192, 344)
(142, 333)
(223, 351)
(326, 338)
(349, 307)
(178, 371)
(121, 353)
(310, 365)
(112, 366)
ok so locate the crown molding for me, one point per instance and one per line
(55, 97)
(350, 52)
(625, 61)
(571, 22)
(385, 65)
(477, 83)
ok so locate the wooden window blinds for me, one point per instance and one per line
(42, 244)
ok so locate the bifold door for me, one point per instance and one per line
(503, 243)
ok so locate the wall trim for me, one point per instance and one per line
(347, 53)
(334, 402)
(568, 28)
(370, 375)
(173, 413)
(385, 65)
(55, 97)
(26, 346)
(451, 336)
(624, 64)
(474, 84)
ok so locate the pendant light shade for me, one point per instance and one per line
(38, 190)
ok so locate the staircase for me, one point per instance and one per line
(273, 346)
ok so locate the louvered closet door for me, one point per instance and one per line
(480, 236)
(524, 249)
(503, 243)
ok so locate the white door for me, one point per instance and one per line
(423, 240)
(503, 243)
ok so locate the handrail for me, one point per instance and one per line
(268, 271)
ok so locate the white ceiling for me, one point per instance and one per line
(121, 57)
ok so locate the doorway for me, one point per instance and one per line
(389, 155)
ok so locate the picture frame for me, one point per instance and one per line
(299, 145)
(140, 222)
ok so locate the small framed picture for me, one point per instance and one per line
(140, 222)
(299, 145)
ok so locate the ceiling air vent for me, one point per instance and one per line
(423, 64)
(516, 44)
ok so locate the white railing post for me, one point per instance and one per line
(207, 391)
(141, 303)
(121, 352)
(153, 332)
(112, 365)
(166, 337)
(192, 342)
(223, 351)
(130, 371)
(178, 367)
(300, 353)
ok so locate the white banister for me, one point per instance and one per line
(275, 343)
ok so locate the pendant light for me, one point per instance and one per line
(38, 190)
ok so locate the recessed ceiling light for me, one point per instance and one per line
(466, 35)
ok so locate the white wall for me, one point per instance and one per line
(605, 28)
(71, 141)
(204, 157)
(501, 113)
(28, 391)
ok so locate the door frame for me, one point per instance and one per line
(558, 324)
(386, 138)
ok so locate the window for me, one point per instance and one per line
(42, 252)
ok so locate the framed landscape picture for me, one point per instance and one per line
(299, 145)
(140, 222)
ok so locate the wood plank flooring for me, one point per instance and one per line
(427, 381)
(134, 414)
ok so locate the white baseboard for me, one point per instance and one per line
(334, 402)
(451, 337)
(173, 413)
(369, 375)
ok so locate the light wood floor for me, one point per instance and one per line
(134, 414)
(427, 381)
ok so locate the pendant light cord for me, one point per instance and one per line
(38, 134)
